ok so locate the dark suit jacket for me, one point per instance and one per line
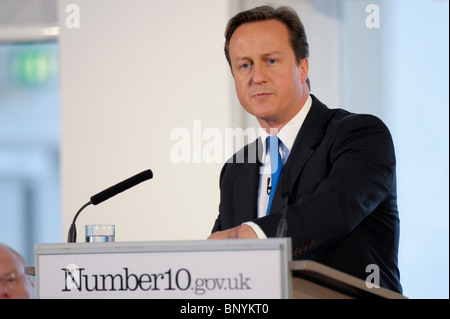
(342, 209)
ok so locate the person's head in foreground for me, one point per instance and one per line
(14, 284)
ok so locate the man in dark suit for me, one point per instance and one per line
(337, 168)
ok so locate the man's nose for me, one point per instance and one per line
(259, 74)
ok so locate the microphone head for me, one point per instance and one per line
(148, 174)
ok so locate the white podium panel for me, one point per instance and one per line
(176, 269)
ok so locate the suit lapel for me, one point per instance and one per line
(246, 184)
(308, 138)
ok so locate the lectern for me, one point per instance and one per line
(312, 280)
(208, 269)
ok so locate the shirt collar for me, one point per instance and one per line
(289, 132)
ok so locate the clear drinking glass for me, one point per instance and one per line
(100, 233)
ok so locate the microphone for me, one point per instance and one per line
(106, 194)
(282, 225)
(120, 187)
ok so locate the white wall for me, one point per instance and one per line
(131, 73)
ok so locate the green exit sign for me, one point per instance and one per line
(32, 67)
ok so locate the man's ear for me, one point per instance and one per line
(303, 68)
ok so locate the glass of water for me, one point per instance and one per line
(100, 233)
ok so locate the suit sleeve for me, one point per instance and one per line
(218, 222)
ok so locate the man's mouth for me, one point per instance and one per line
(261, 94)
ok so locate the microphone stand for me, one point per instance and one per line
(282, 225)
(72, 235)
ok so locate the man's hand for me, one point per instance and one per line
(242, 231)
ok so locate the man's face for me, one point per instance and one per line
(269, 83)
(13, 283)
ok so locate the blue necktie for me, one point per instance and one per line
(275, 166)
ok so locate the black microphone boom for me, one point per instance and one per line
(106, 194)
(120, 187)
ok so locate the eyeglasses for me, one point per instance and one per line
(11, 281)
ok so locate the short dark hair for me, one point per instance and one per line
(286, 15)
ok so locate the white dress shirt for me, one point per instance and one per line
(287, 136)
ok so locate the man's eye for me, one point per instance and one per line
(245, 65)
(272, 61)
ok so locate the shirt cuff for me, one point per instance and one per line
(259, 232)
